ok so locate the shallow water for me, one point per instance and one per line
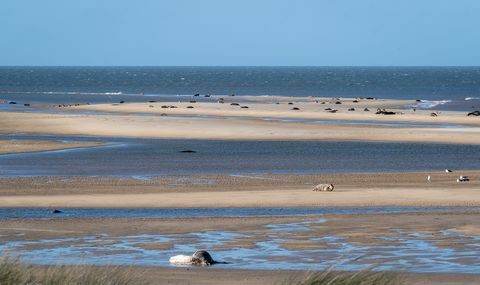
(156, 157)
(75, 213)
(409, 251)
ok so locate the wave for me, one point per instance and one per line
(472, 98)
(93, 93)
(65, 93)
(426, 104)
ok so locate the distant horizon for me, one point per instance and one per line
(260, 66)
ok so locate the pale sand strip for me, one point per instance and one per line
(301, 197)
(380, 189)
(21, 146)
(308, 110)
(199, 128)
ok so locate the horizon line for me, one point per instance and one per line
(323, 66)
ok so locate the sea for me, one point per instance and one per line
(440, 88)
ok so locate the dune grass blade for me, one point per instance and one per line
(345, 278)
(15, 273)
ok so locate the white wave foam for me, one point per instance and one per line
(426, 104)
(472, 98)
(65, 92)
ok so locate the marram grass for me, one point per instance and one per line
(15, 273)
(349, 278)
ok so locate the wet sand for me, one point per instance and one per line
(21, 146)
(381, 189)
(356, 228)
(252, 126)
(361, 230)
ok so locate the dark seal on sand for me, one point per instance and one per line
(202, 257)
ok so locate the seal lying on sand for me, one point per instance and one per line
(324, 187)
(199, 258)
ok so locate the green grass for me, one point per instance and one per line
(347, 278)
(15, 273)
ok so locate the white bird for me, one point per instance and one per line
(448, 170)
(428, 178)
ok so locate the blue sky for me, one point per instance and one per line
(240, 32)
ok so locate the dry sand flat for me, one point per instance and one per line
(250, 123)
(384, 189)
(264, 198)
(202, 128)
(308, 110)
(19, 146)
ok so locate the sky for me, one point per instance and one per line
(240, 32)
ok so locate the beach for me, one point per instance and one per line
(239, 142)
(136, 183)
(360, 230)
(22, 146)
(261, 121)
(206, 191)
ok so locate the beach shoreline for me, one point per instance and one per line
(362, 231)
(14, 146)
(256, 120)
(221, 191)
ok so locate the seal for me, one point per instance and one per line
(202, 257)
(199, 258)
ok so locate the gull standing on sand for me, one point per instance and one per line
(428, 178)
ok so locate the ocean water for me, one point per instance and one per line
(155, 213)
(456, 88)
(155, 157)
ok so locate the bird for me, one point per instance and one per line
(448, 170)
(428, 178)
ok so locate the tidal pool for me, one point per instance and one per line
(157, 157)
(276, 247)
